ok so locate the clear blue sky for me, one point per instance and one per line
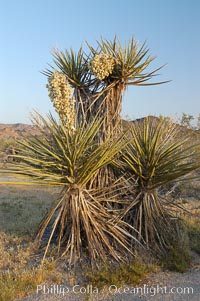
(30, 29)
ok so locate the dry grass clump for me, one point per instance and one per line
(19, 272)
(20, 283)
(17, 285)
(14, 251)
(122, 274)
(14, 279)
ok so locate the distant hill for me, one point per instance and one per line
(20, 130)
(183, 130)
(17, 130)
(10, 133)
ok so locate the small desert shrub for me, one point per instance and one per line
(6, 142)
(191, 220)
(177, 255)
(190, 189)
(21, 282)
(177, 258)
(193, 225)
(119, 275)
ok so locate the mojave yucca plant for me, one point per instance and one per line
(80, 223)
(156, 157)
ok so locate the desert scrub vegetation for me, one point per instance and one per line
(20, 273)
(193, 225)
(110, 182)
(6, 142)
(122, 274)
(179, 255)
(192, 222)
(21, 210)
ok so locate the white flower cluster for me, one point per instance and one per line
(60, 93)
(102, 65)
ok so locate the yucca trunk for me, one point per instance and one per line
(148, 215)
(79, 225)
(110, 105)
(107, 104)
(83, 105)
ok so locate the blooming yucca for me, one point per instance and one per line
(102, 65)
(60, 93)
(100, 77)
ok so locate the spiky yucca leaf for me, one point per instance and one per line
(156, 157)
(79, 219)
(73, 65)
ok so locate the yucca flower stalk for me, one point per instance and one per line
(60, 93)
(156, 157)
(81, 221)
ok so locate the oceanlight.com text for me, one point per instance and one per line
(150, 290)
(112, 289)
